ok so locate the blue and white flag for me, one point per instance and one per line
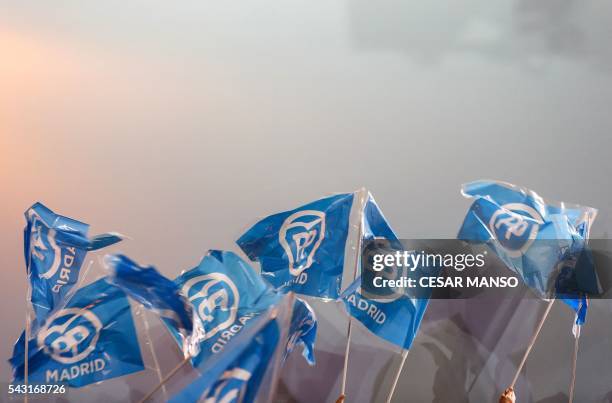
(55, 247)
(395, 318)
(227, 294)
(159, 294)
(302, 250)
(90, 340)
(541, 241)
(237, 373)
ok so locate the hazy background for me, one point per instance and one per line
(180, 123)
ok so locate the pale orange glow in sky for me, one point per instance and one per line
(20, 79)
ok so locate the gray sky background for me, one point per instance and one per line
(179, 124)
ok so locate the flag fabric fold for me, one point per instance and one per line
(158, 294)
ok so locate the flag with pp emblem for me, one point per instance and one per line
(227, 295)
(91, 339)
(392, 316)
(236, 374)
(55, 248)
(542, 241)
(302, 250)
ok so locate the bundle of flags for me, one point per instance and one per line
(236, 326)
(207, 308)
(87, 334)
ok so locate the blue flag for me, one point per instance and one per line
(302, 250)
(544, 242)
(159, 294)
(90, 340)
(55, 247)
(227, 294)
(395, 318)
(237, 373)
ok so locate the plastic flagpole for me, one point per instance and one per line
(154, 354)
(362, 200)
(28, 331)
(532, 342)
(165, 379)
(397, 375)
(345, 368)
(574, 362)
(26, 353)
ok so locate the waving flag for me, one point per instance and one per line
(237, 373)
(90, 340)
(227, 295)
(395, 318)
(159, 294)
(542, 241)
(302, 250)
(55, 247)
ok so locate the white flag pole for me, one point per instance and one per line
(574, 362)
(165, 379)
(345, 368)
(26, 355)
(363, 195)
(397, 375)
(531, 343)
(153, 353)
(28, 330)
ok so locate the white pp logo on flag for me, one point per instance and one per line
(300, 236)
(515, 226)
(229, 386)
(216, 299)
(70, 335)
(43, 248)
